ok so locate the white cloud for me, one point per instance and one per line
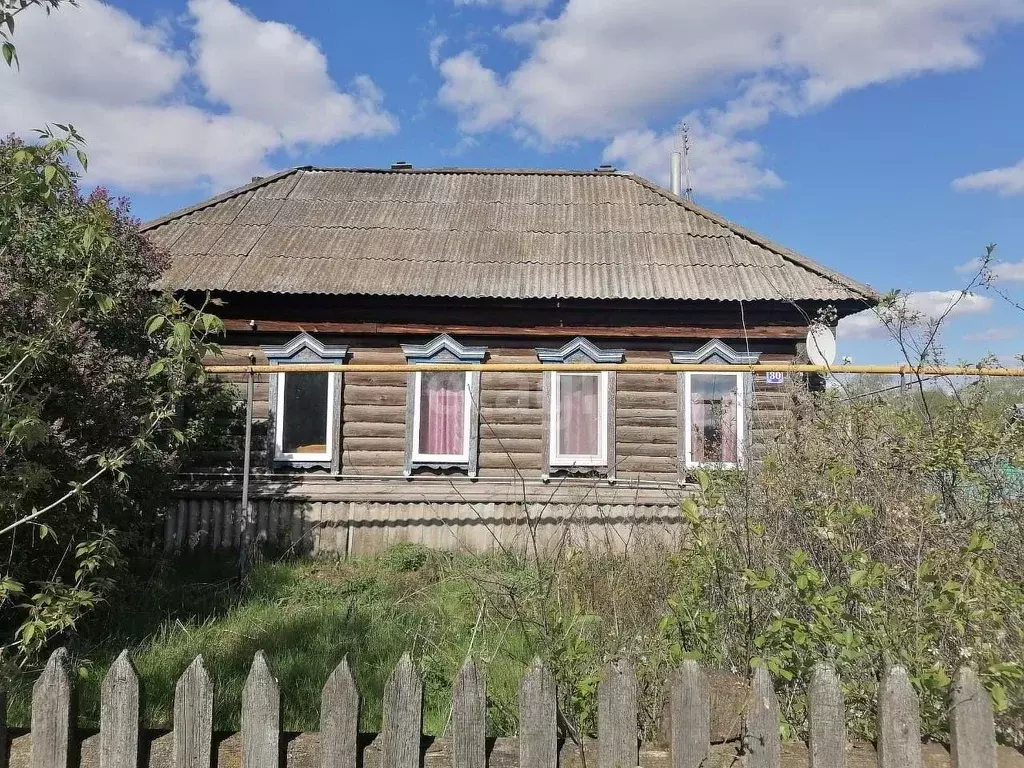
(473, 91)
(928, 305)
(1006, 181)
(129, 91)
(434, 49)
(722, 163)
(991, 334)
(997, 270)
(510, 6)
(604, 70)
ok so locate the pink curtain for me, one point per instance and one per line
(578, 414)
(442, 413)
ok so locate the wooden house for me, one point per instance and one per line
(404, 265)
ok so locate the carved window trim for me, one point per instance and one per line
(580, 350)
(438, 351)
(714, 352)
(304, 349)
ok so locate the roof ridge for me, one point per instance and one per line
(261, 181)
(478, 171)
(866, 291)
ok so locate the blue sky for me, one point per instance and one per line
(881, 137)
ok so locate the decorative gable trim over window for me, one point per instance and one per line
(442, 417)
(579, 350)
(579, 410)
(716, 348)
(317, 397)
(714, 408)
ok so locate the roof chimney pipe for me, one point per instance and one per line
(677, 173)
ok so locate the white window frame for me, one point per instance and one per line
(441, 458)
(280, 454)
(569, 460)
(740, 422)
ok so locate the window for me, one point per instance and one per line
(714, 419)
(304, 407)
(442, 424)
(579, 410)
(579, 434)
(441, 416)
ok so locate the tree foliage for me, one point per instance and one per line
(95, 367)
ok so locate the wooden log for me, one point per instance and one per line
(374, 414)
(538, 723)
(626, 434)
(626, 402)
(469, 718)
(339, 719)
(690, 717)
(899, 721)
(403, 717)
(972, 729)
(375, 444)
(510, 445)
(761, 740)
(261, 716)
(53, 714)
(192, 739)
(524, 462)
(374, 395)
(827, 716)
(617, 742)
(513, 416)
(119, 715)
(362, 429)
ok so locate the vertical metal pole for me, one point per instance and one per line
(246, 539)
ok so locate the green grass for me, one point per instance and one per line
(307, 616)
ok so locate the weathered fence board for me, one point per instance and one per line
(538, 713)
(193, 718)
(339, 719)
(469, 718)
(899, 721)
(261, 716)
(690, 710)
(119, 716)
(52, 714)
(827, 720)
(617, 743)
(761, 740)
(53, 742)
(403, 717)
(972, 729)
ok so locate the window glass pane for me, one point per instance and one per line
(305, 413)
(442, 413)
(713, 418)
(578, 415)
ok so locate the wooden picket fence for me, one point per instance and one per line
(53, 744)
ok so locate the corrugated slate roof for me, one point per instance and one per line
(510, 234)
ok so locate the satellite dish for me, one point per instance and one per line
(821, 345)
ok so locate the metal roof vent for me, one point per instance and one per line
(606, 169)
(401, 165)
(254, 179)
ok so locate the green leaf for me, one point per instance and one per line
(83, 159)
(48, 173)
(10, 56)
(156, 368)
(156, 322)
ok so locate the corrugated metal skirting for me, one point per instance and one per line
(362, 528)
